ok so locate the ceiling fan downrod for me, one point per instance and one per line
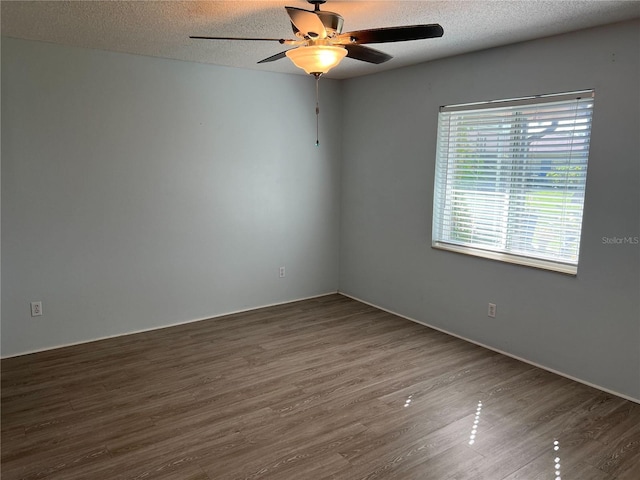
(316, 4)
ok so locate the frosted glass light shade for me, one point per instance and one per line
(316, 58)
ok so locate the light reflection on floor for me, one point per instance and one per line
(474, 430)
(474, 433)
(556, 460)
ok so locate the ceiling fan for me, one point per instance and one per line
(320, 44)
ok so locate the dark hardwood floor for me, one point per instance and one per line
(327, 388)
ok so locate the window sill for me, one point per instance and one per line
(509, 258)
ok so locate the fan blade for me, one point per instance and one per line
(280, 40)
(275, 57)
(392, 34)
(307, 22)
(366, 54)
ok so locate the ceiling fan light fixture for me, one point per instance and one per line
(316, 59)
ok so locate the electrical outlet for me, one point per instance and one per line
(492, 310)
(282, 272)
(36, 309)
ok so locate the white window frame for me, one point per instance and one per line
(499, 134)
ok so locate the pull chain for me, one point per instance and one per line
(317, 110)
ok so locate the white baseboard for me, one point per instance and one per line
(133, 332)
(488, 347)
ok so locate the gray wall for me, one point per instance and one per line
(139, 192)
(586, 326)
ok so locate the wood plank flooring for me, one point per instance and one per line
(327, 388)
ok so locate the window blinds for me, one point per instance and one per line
(510, 179)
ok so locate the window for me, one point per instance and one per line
(510, 179)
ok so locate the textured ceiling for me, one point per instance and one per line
(162, 28)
